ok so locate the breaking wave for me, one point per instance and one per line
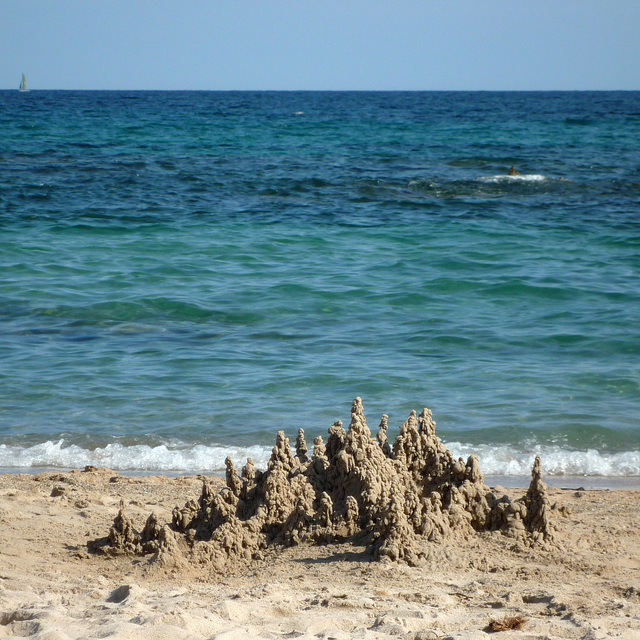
(527, 177)
(181, 458)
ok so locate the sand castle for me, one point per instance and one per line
(396, 498)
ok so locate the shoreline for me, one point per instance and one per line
(590, 483)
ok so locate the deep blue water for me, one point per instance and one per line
(182, 274)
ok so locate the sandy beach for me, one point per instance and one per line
(52, 587)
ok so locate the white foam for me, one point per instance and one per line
(494, 460)
(505, 460)
(196, 458)
(527, 177)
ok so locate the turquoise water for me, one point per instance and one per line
(184, 273)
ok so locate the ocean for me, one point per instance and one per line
(183, 274)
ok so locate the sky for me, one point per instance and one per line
(321, 45)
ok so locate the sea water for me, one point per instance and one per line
(183, 274)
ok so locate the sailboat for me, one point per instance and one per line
(23, 83)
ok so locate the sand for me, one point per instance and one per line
(358, 539)
(51, 587)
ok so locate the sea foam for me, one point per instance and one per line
(527, 177)
(181, 458)
(161, 458)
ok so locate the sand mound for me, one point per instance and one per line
(397, 499)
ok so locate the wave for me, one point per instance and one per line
(503, 460)
(140, 457)
(527, 177)
(484, 186)
(556, 461)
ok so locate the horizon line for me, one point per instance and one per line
(344, 90)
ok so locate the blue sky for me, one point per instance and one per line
(324, 45)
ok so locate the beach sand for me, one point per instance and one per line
(53, 588)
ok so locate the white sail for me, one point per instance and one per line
(23, 83)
